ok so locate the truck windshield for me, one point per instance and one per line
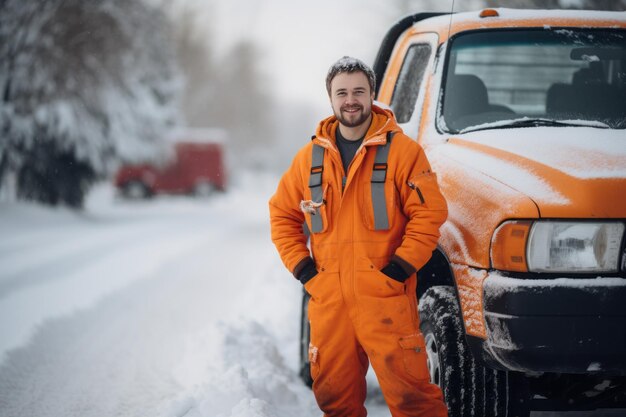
(495, 78)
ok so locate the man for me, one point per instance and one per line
(372, 204)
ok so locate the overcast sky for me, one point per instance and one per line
(299, 40)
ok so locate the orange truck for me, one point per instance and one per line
(197, 168)
(522, 114)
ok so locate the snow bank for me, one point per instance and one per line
(250, 379)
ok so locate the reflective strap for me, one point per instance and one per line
(379, 175)
(315, 184)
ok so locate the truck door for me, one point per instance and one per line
(407, 80)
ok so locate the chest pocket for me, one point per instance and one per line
(426, 191)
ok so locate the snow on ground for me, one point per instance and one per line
(174, 307)
(171, 307)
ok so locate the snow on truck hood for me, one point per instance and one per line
(566, 171)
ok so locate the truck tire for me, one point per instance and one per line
(136, 190)
(204, 189)
(305, 338)
(470, 389)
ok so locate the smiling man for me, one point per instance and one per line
(373, 208)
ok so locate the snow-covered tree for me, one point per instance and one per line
(241, 89)
(85, 86)
(196, 61)
(192, 24)
(245, 104)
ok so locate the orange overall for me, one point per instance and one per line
(357, 313)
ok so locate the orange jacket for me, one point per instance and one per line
(416, 208)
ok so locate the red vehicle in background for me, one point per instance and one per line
(197, 168)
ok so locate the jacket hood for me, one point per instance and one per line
(567, 172)
(383, 121)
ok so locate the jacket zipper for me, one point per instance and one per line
(417, 190)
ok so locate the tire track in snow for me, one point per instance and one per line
(135, 239)
(49, 261)
(117, 358)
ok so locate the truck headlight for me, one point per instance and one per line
(574, 247)
(557, 246)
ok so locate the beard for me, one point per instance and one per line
(353, 119)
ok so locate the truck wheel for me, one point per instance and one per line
(135, 190)
(470, 389)
(305, 338)
(203, 189)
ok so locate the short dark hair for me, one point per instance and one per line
(350, 65)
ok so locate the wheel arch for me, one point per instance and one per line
(438, 271)
(148, 189)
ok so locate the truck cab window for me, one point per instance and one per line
(558, 75)
(409, 81)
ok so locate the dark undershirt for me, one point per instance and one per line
(347, 149)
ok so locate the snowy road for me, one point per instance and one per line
(176, 307)
(173, 307)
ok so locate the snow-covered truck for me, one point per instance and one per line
(197, 167)
(522, 115)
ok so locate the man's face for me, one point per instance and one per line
(351, 98)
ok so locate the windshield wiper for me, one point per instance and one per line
(535, 122)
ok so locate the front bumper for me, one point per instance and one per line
(565, 325)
